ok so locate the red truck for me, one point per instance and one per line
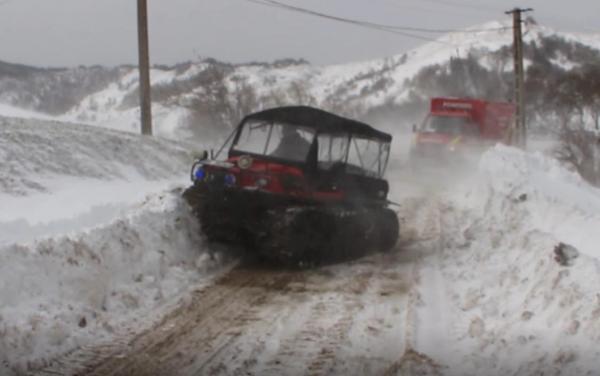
(457, 127)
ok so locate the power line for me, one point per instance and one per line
(401, 30)
(426, 8)
(393, 27)
(465, 5)
(368, 25)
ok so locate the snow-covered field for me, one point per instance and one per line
(96, 245)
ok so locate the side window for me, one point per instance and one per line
(332, 148)
(366, 157)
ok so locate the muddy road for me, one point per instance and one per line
(353, 318)
(343, 319)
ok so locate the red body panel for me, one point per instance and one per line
(492, 118)
(275, 178)
(442, 138)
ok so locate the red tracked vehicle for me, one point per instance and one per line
(299, 185)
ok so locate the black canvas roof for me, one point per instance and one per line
(318, 119)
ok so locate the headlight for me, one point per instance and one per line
(244, 162)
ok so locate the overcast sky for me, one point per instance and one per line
(73, 32)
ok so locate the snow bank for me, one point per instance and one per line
(514, 304)
(94, 239)
(557, 201)
(61, 293)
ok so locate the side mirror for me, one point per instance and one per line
(414, 128)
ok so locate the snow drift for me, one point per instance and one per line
(65, 292)
(95, 239)
(520, 264)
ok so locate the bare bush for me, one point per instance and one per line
(580, 150)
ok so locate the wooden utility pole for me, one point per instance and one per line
(519, 132)
(144, 67)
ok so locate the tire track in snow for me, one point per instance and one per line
(428, 238)
(319, 339)
(219, 309)
(340, 319)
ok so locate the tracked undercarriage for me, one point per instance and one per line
(293, 233)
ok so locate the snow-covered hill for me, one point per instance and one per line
(192, 99)
(352, 88)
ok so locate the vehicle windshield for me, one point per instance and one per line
(450, 125)
(361, 156)
(279, 140)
